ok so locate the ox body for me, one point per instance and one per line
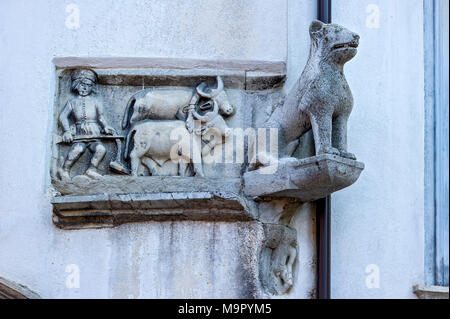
(175, 103)
(156, 142)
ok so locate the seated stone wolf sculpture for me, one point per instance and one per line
(321, 99)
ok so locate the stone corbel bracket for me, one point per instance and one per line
(13, 290)
(305, 179)
(109, 210)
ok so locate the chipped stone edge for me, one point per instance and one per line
(110, 210)
(320, 160)
(12, 290)
(243, 74)
(431, 292)
(169, 63)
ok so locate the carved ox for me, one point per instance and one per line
(170, 103)
(156, 142)
(213, 125)
(153, 145)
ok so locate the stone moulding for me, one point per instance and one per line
(109, 184)
(233, 79)
(169, 63)
(431, 292)
(109, 210)
(14, 290)
(246, 74)
(306, 179)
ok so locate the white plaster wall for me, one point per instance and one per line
(300, 15)
(379, 220)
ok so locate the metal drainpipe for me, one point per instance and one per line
(323, 205)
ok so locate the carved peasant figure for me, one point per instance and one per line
(90, 123)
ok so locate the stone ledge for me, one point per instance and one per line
(109, 184)
(306, 179)
(169, 63)
(237, 74)
(171, 77)
(431, 292)
(109, 210)
(12, 290)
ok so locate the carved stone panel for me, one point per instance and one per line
(122, 132)
(103, 119)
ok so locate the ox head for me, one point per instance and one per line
(218, 96)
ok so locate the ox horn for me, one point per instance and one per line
(200, 90)
(219, 85)
(214, 92)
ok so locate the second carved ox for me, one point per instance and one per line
(161, 126)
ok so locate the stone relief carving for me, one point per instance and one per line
(212, 125)
(153, 145)
(320, 100)
(277, 258)
(153, 141)
(151, 117)
(173, 104)
(169, 129)
(89, 127)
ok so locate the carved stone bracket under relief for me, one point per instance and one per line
(98, 211)
(278, 257)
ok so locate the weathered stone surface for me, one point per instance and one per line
(263, 81)
(82, 185)
(111, 200)
(117, 86)
(170, 63)
(306, 179)
(431, 292)
(154, 77)
(148, 260)
(103, 210)
(277, 258)
(89, 126)
(320, 100)
(249, 75)
(183, 259)
(12, 290)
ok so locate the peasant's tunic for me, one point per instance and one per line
(84, 109)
